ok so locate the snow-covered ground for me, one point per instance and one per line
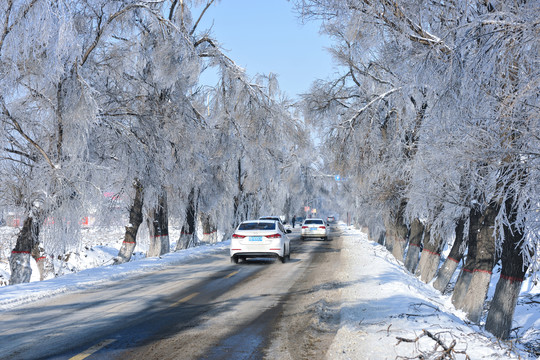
(386, 313)
(383, 303)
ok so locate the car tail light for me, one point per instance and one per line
(304, 227)
(322, 227)
(236, 236)
(273, 236)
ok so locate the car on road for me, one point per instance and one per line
(331, 222)
(314, 228)
(277, 218)
(260, 238)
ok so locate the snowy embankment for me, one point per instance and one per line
(386, 313)
(92, 266)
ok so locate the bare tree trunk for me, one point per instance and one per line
(371, 232)
(431, 256)
(19, 261)
(465, 276)
(240, 199)
(209, 230)
(44, 263)
(41, 263)
(158, 228)
(503, 305)
(415, 239)
(473, 303)
(389, 236)
(187, 234)
(376, 233)
(286, 210)
(135, 221)
(452, 261)
(400, 240)
(396, 233)
(382, 237)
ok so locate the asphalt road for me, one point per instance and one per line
(203, 309)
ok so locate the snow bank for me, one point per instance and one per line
(11, 296)
(384, 307)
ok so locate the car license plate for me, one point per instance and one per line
(313, 228)
(255, 238)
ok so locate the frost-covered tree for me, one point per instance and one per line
(104, 97)
(90, 103)
(145, 79)
(249, 143)
(456, 88)
(371, 115)
(259, 141)
(46, 110)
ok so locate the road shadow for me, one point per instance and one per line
(264, 261)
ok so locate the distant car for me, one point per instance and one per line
(331, 221)
(314, 228)
(277, 218)
(260, 238)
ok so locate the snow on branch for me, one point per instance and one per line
(19, 129)
(351, 122)
(118, 14)
(422, 36)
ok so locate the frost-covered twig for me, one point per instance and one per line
(19, 129)
(352, 120)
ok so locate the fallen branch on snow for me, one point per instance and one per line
(447, 352)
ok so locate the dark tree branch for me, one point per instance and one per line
(200, 17)
(19, 129)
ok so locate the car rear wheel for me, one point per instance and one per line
(234, 259)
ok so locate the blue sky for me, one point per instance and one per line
(265, 36)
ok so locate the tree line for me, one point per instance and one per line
(105, 96)
(434, 121)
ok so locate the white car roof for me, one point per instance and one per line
(259, 221)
